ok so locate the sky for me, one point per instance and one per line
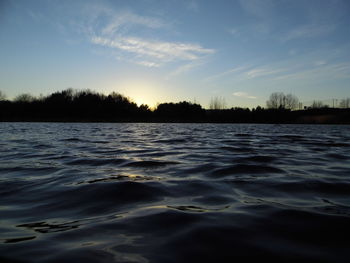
(156, 51)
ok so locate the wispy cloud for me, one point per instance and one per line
(257, 8)
(324, 71)
(262, 11)
(309, 31)
(149, 64)
(233, 31)
(320, 63)
(117, 30)
(262, 72)
(243, 95)
(160, 51)
(127, 18)
(311, 19)
(35, 15)
(184, 68)
(292, 52)
(193, 6)
(222, 74)
(320, 18)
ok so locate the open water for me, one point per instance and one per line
(174, 193)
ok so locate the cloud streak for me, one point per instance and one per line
(261, 9)
(262, 72)
(117, 30)
(159, 50)
(184, 68)
(126, 19)
(242, 94)
(309, 31)
(193, 6)
(327, 71)
(222, 74)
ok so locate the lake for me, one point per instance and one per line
(143, 192)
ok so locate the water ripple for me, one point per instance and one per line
(173, 192)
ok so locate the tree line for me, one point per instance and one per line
(289, 101)
(71, 105)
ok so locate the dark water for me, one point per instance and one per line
(174, 193)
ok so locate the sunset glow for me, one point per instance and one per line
(141, 92)
(159, 51)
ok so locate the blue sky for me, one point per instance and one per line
(171, 50)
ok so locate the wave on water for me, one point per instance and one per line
(174, 192)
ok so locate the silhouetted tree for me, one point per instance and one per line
(344, 103)
(317, 104)
(117, 98)
(275, 101)
(25, 97)
(182, 111)
(291, 102)
(278, 100)
(144, 107)
(217, 103)
(63, 97)
(2, 96)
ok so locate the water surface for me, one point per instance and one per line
(174, 192)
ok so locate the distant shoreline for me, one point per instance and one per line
(89, 106)
(319, 116)
(174, 122)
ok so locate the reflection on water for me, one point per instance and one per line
(174, 192)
